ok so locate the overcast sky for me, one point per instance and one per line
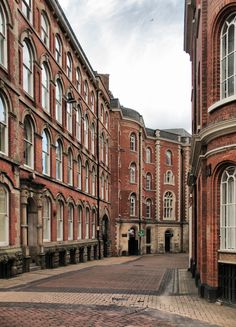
(140, 44)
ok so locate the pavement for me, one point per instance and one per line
(152, 290)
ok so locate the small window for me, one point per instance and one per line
(58, 101)
(86, 131)
(93, 182)
(27, 9)
(148, 155)
(60, 209)
(79, 235)
(28, 143)
(132, 142)
(132, 205)
(169, 178)
(45, 29)
(86, 178)
(70, 168)
(93, 139)
(86, 91)
(69, 110)
(69, 66)
(78, 124)
(93, 224)
(79, 173)
(148, 208)
(168, 158)
(102, 147)
(4, 216)
(46, 153)
(148, 182)
(78, 80)
(58, 161)
(70, 222)
(3, 126)
(87, 224)
(45, 88)
(133, 173)
(46, 219)
(27, 69)
(102, 114)
(106, 152)
(58, 50)
(3, 38)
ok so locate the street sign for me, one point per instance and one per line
(141, 233)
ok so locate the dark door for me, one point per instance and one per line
(105, 236)
(133, 243)
(168, 236)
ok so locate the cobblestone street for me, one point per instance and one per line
(153, 290)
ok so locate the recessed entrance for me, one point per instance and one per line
(133, 243)
(32, 237)
(168, 236)
(105, 235)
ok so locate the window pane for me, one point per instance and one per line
(231, 86)
(231, 39)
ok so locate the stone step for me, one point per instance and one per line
(34, 267)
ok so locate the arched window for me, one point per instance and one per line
(148, 208)
(86, 177)
(60, 209)
(45, 88)
(86, 91)
(70, 222)
(79, 235)
(28, 143)
(106, 152)
(93, 181)
(69, 66)
(69, 109)
(148, 182)
(168, 158)
(86, 127)
(102, 186)
(44, 29)
(58, 49)
(106, 120)
(27, 69)
(46, 153)
(148, 155)
(102, 147)
(78, 124)
(228, 57)
(133, 173)
(3, 126)
(3, 38)
(58, 161)
(107, 189)
(94, 224)
(4, 216)
(102, 113)
(168, 206)
(169, 178)
(132, 205)
(58, 101)
(78, 80)
(70, 168)
(93, 139)
(79, 173)
(132, 142)
(27, 9)
(228, 210)
(92, 101)
(87, 224)
(46, 219)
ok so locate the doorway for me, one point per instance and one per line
(168, 236)
(132, 243)
(32, 236)
(105, 236)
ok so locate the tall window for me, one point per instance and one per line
(58, 101)
(169, 178)
(228, 210)
(102, 186)
(27, 9)
(102, 147)
(78, 80)
(27, 69)
(28, 143)
(70, 168)
(86, 91)
(78, 124)
(4, 216)
(132, 142)
(168, 205)
(70, 221)
(93, 139)
(92, 101)
(45, 88)
(148, 182)
(228, 57)
(148, 208)
(59, 221)
(79, 173)
(168, 158)
(86, 177)
(148, 155)
(44, 29)
(3, 126)
(46, 219)
(3, 38)
(93, 224)
(106, 120)
(45, 153)
(86, 127)
(106, 186)
(93, 181)
(102, 113)
(58, 49)
(58, 161)
(106, 152)
(132, 173)
(87, 224)
(79, 235)
(69, 109)
(69, 66)
(132, 205)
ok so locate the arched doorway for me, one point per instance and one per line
(105, 236)
(32, 235)
(168, 235)
(133, 243)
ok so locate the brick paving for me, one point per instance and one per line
(147, 291)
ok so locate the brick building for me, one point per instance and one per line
(210, 40)
(149, 197)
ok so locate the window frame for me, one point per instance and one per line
(59, 160)
(70, 222)
(28, 144)
(28, 69)
(3, 126)
(168, 206)
(45, 30)
(47, 219)
(46, 153)
(70, 168)
(58, 49)
(58, 101)
(132, 205)
(60, 220)
(3, 38)
(5, 215)
(45, 88)
(132, 142)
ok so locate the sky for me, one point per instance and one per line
(139, 43)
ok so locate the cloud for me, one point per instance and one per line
(140, 44)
